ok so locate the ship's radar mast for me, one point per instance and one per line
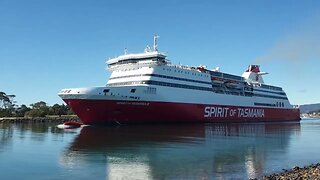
(155, 45)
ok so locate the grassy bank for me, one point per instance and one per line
(49, 119)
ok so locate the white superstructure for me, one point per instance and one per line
(154, 78)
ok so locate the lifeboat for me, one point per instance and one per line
(217, 80)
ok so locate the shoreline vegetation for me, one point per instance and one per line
(36, 112)
(47, 119)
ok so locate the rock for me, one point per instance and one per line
(308, 172)
(295, 168)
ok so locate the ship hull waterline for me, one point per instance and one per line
(91, 111)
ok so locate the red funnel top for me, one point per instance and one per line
(253, 68)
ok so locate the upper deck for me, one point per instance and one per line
(150, 56)
(153, 57)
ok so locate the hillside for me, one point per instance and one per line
(307, 108)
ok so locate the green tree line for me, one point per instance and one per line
(8, 108)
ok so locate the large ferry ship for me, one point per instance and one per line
(148, 88)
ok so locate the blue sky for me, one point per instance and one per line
(47, 45)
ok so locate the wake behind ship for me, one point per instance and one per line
(147, 88)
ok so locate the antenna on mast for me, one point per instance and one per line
(155, 39)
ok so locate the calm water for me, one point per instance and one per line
(210, 151)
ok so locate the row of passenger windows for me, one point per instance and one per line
(280, 93)
(280, 104)
(159, 83)
(162, 76)
(265, 104)
(151, 90)
(269, 96)
(129, 69)
(178, 85)
(277, 104)
(186, 72)
(271, 87)
(212, 73)
(127, 61)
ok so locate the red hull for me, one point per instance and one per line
(108, 111)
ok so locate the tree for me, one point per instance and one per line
(39, 105)
(57, 109)
(39, 109)
(35, 113)
(6, 104)
(21, 111)
(6, 101)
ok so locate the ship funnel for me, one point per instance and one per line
(253, 68)
(253, 74)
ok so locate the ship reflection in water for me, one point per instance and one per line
(193, 151)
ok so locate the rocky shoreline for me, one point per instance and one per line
(307, 172)
(55, 119)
